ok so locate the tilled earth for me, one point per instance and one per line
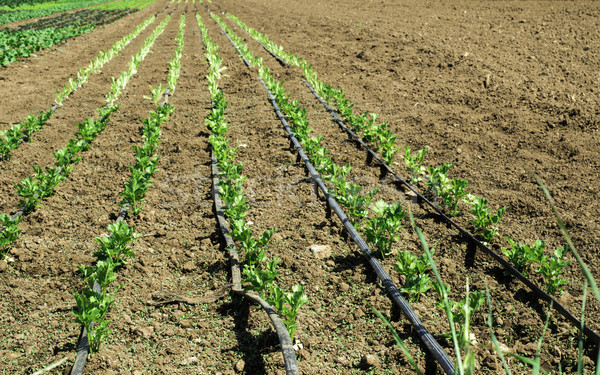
(491, 87)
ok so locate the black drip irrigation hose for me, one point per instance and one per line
(287, 347)
(540, 293)
(432, 345)
(279, 60)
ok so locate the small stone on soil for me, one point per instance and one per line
(321, 251)
(239, 366)
(369, 360)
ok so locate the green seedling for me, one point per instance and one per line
(414, 163)
(288, 305)
(523, 255)
(462, 312)
(91, 313)
(438, 180)
(413, 268)
(157, 93)
(382, 230)
(485, 222)
(259, 279)
(9, 233)
(552, 267)
(116, 246)
(28, 188)
(454, 193)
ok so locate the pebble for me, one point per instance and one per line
(321, 251)
(369, 360)
(239, 366)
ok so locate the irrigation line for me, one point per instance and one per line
(428, 340)
(287, 347)
(540, 293)
(279, 60)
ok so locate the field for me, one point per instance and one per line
(504, 91)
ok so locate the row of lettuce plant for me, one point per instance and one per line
(34, 189)
(382, 228)
(13, 137)
(447, 192)
(119, 84)
(142, 171)
(175, 64)
(93, 303)
(259, 271)
(46, 8)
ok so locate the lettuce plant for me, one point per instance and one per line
(382, 230)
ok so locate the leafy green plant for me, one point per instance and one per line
(552, 267)
(438, 180)
(116, 246)
(414, 163)
(258, 278)
(414, 268)
(485, 222)
(9, 233)
(454, 193)
(382, 229)
(91, 313)
(462, 312)
(288, 304)
(523, 255)
(157, 93)
(28, 189)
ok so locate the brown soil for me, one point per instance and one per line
(488, 86)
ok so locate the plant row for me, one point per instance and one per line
(13, 137)
(175, 64)
(42, 9)
(93, 303)
(146, 161)
(447, 192)
(259, 272)
(23, 43)
(84, 17)
(34, 189)
(120, 82)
